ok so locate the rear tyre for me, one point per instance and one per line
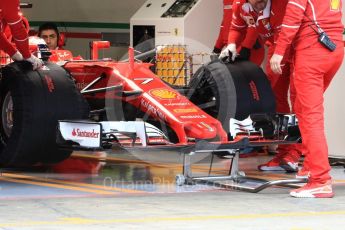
(31, 103)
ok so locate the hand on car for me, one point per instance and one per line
(35, 61)
(229, 50)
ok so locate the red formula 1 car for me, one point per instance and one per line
(33, 101)
(96, 104)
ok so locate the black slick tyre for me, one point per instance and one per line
(31, 103)
(231, 90)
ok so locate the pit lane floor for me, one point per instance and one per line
(137, 191)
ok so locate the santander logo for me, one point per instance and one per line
(87, 134)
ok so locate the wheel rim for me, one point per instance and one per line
(206, 99)
(7, 114)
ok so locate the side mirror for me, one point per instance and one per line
(95, 46)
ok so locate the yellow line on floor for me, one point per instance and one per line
(57, 186)
(84, 221)
(110, 159)
(79, 184)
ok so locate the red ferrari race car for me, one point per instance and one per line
(98, 104)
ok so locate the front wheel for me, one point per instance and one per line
(232, 90)
(31, 104)
(6, 116)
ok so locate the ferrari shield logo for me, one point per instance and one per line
(335, 5)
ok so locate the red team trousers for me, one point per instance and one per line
(314, 69)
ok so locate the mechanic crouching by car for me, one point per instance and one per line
(314, 29)
(250, 48)
(266, 16)
(10, 15)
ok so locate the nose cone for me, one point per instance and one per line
(200, 130)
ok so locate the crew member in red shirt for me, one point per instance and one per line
(266, 16)
(10, 15)
(250, 48)
(307, 24)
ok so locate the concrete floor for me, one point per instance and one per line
(133, 191)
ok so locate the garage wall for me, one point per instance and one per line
(83, 10)
(335, 115)
(335, 112)
(85, 20)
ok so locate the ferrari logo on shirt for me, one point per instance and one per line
(335, 5)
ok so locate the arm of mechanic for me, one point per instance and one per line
(11, 15)
(219, 43)
(220, 40)
(238, 25)
(248, 43)
(291, 23)
(224, 27)
(6, 45)
(238, 28)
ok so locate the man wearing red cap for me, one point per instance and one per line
(10, 15)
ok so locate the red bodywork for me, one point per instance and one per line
(157, 99)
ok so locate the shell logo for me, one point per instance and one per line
(164, 94)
